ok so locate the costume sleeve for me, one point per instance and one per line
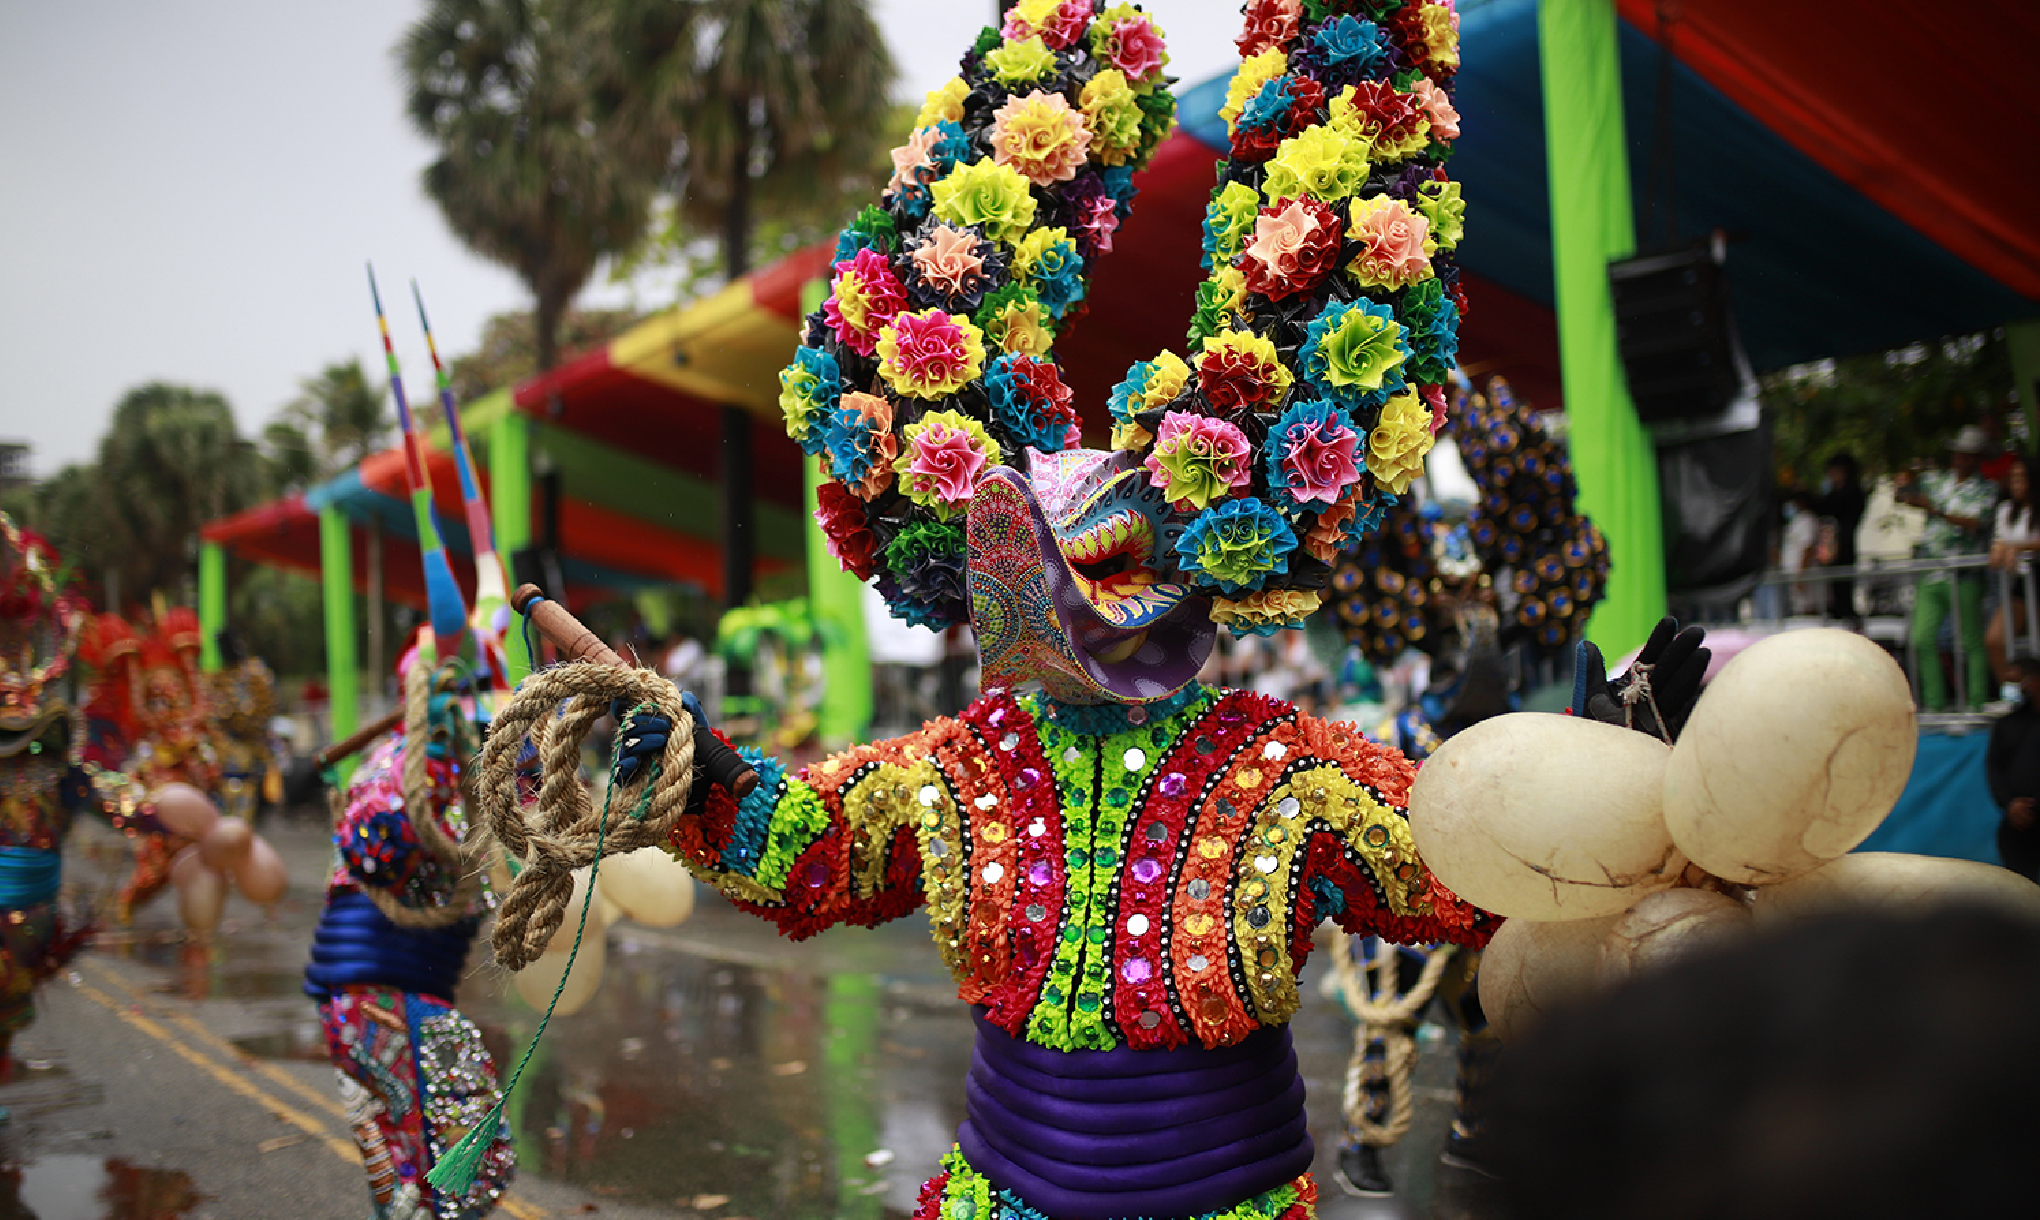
(1361, 867)
(843, 840)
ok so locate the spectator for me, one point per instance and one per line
(1958, 503)
(2013, 766)
(2014, 536)
(1841, 500)
(1871, 1066)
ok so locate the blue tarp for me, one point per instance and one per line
(1946, 808)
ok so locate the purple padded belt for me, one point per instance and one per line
(1095, 1135)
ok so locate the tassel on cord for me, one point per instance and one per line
(455, 1172)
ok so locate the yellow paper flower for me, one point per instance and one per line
(1270, 608)
(1396, 447)
(1033, 13)
(1040, 136)
(1348, 118)
(1256, 71)
(930, 354)
(1232, 287)
(1131, 437)
(989, 194)
(1020, 328)
(1239, 369)
(1112, 110)
(1020, 63)
(945, 103)
(1324, 162)
(1441, 34)
(1166, 379)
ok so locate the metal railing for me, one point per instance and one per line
(1921, 571)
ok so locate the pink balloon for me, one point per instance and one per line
(260, 873)
(201, 892)
(185, 809)
(225, 844)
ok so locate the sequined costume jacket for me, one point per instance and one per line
(38, 790)
(1142, 876)
(412, 1069)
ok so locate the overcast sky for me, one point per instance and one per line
(188, 192)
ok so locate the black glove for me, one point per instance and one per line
(1676, 664)
(644, 734)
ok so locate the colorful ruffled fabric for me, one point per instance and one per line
(1150, 882)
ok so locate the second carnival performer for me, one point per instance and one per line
(1124, 869)
(403, 902)
(41, 785)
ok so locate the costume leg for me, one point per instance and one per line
(1459, 995)
(1930, 607)
(960, 1192)
(459, 1080)
(370, 1044)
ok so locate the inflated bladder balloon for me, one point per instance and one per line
(225, 844)
(1895, 880)
(1666, 925)
(600, 915)
(201, 892)
(1792, 756)
(535, 983)
(651, 886)
(1547, 817)
(1530, 966)
(259, 873)
(184, 809)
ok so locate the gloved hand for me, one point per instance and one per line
(644, 734)
(1676, 664)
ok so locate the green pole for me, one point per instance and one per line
(212, 603)
(510, 503)
(1612, 455)
(836, 598)
(336, 574)
(2023, 338)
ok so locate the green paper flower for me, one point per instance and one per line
(1020, 63)
(989, 194)
(1441, 204)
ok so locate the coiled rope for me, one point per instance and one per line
(562, 831)
(1386, 1016)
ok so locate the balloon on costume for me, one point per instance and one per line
(651, 886)
(225, 844)
(1530, 966)
(184, 809)
(201, 891)
(535, 983)
(259, 874)
(1791, 758)
(1896, 880)
(1537, 816)
(600, 914)
(1664, 925)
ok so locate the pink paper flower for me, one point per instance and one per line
(863, 297)
(1393, 238)
(1319, 460)
(1437, 108)
(1198, 459)
(912, 158)
(946, 451)
(1295, 245)
(1040, 136)
(1135, 48)
(948, 261)
(1099, 218)
(1435, 395)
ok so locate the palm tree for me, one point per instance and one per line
(337, 419)
(764, 105)
(533, 170)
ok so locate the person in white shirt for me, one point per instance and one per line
(2015, 535)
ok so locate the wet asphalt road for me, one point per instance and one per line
(720, 1072)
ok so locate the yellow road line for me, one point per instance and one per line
(346, 1150)
(233, 1053)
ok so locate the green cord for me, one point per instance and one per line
(455, 1172)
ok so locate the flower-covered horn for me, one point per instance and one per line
(928, 366)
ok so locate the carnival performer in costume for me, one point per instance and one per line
(146, 720)
(1123, 869)
(40, 783)
(402, 906)
(240, 699)
(1520, 575)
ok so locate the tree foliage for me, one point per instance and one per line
(1892, 409)
(338, 418)
(535, 171)
(507, 354)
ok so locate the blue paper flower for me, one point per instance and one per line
(1236, 545)
(814, 385)
(1118, 182)
(1351, 39)
(1019, 409)
(1430, 318)
(1269, 105)
(1340, 354)
(1334, 429)
(851, 441)
(1057, 275)
(1125, 398)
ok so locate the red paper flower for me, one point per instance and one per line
(1270, 23)
(1396, 116)
(841, 515)
(1295, 245)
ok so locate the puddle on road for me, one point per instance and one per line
(72, 1187)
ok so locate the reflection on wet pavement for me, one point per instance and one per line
(73, 1187)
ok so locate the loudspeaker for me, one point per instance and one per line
(1671, 325)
